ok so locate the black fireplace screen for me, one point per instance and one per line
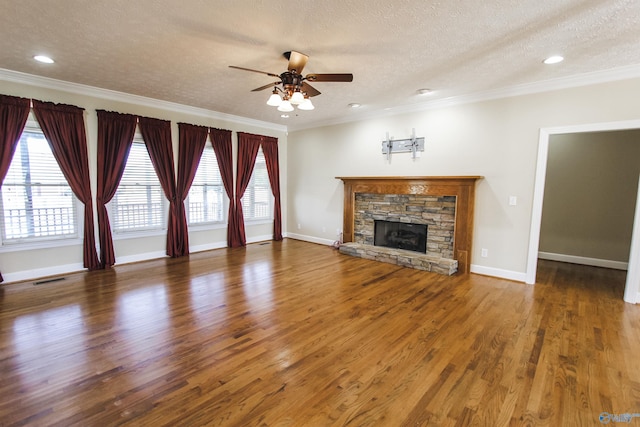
(400, 235)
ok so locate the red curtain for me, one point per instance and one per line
(248, 146)
(63, 127)
(270, 150)
(115, 136)
(192, 140)
(13, 116)
(157, 137)
(221, 141)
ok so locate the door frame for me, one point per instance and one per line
(632, 287)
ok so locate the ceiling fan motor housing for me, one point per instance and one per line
(291, 81)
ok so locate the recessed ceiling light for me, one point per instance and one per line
(354, 105)
(284, 116)
(424, 92)
(553, 59)
(44, 59)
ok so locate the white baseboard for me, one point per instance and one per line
(72, 268)
(207, 247)
(57, 270)
(140, 257)
(486, 271)
(38, 273)
(221, 245)
(310, 239)
(257, 239)
(595, 262)
(498, 272)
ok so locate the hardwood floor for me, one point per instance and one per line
(296, 334)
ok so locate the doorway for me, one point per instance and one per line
(632, 287)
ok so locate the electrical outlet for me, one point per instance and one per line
(513, 200)
(484, 253)
(324, 229)
(299, 226)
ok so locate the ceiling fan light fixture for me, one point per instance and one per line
(292, 89)
(297, 98)
(285, 106)
(306, 104)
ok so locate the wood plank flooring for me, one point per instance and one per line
(296, 334)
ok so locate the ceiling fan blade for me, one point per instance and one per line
(297, 60)
(308, 89)
(329, 77)
(265, 87)
(255, 71)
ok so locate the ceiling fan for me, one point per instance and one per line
(292, 87)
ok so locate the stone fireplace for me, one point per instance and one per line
(443, 206)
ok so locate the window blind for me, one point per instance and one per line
(205, 201)
(139, 202)
(37, 202)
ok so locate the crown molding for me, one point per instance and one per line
(578, 80)
(585, 79)
(112, 95)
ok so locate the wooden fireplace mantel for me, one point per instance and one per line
(463, 187)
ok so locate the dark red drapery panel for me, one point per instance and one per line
(157, 137)
(14, 112)
(192, 140)
(63, 127)
(115, 135)
(13, 116)
(248, 146)
(270, 150)
(221, 141)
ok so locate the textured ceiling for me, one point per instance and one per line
(179, 51)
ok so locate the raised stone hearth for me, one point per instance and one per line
(443, 204)
(401, 257)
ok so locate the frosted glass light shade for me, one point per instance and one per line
(297, 98)
(285, 106)
(306, 105)
(274, 100)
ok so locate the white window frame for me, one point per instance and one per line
(29, 243)
(159, 230)
(225, 199)
(260, 164)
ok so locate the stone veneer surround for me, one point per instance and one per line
(437, 212)
(460, 187)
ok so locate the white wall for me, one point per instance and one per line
(497, 139)
(16, 264)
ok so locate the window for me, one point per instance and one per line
(257, 202)
(139, 203)
(37, 202)
(205, 202)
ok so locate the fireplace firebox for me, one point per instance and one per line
(400, 235)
